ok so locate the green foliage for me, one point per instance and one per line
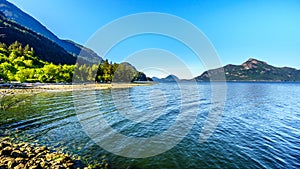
(18, 63)
(124, 72)
(23, 74)
(105, 71)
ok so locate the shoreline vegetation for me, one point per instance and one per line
(19, 63)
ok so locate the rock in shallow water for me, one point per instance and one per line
(23, 155)
(26, 156)
(6, 151)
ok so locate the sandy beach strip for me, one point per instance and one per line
(37, 88)
(95, 86)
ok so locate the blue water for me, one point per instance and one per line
(259, 127)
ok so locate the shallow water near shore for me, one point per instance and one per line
(259, 127)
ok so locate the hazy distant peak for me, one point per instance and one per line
(172, 76)
(169, 78)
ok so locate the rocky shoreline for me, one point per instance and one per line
(22, 155)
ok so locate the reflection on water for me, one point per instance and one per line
(259, 127)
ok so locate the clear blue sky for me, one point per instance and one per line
(268, 30)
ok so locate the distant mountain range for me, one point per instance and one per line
(251, 70)
(170, 78)
(21, 19)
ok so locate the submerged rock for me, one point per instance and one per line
(23, 155)
(26, 156)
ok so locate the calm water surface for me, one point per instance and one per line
(260, 125)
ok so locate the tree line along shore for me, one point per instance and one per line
(19, 63)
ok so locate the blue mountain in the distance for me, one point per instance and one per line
(251, 70)
(170, 78)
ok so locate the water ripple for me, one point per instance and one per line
(259, 128)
